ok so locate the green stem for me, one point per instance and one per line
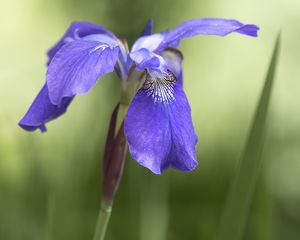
(102, 221)
(115, 153)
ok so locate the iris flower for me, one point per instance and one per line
(158, 124)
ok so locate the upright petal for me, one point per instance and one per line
(76, 67)
(148, 28)
(159, 128)
(146, 32)
(42, 111)
(78, 30)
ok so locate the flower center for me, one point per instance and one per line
(159, 87)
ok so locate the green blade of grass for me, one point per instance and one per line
(240, 195)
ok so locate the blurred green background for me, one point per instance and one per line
(50, 183)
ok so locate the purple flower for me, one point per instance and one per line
(158, 124)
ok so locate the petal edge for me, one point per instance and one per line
(42, 111)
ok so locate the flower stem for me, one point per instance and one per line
(115, 154)
(102, 221)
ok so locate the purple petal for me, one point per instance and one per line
(75, 31)
(102, 38)
(145, 59)
(148, 28)
(159, 128)
(122, 67)
(150, 42)
(42, 111)
(203, 26)
(206, 26)
(76, 67)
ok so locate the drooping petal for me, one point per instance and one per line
(206, 26)
(159, 128)
(42, 111)
(76, 31)
(184, 138)
(148, 28)
(145, 59)
(148, 133)
(203, 26)
(173, 58)
(76, 67)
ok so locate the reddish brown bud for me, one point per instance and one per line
(114, 158)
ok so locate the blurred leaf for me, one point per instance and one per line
(239, 199)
